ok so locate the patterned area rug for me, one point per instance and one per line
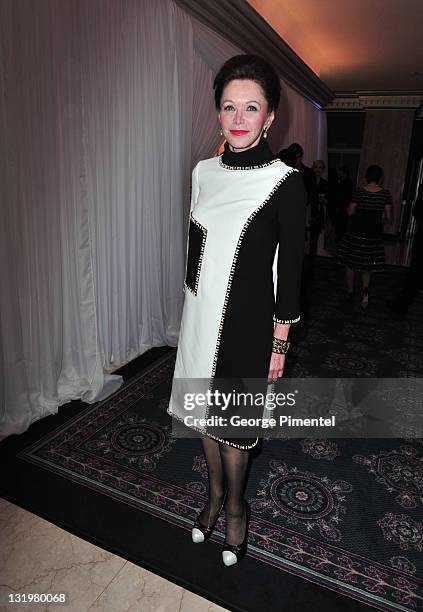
(342, 514)
(338, 338)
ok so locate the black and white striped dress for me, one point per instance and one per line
(362, 246)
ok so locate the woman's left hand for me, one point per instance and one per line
(277, 364)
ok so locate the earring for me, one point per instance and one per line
(265, 133)
(221, 132)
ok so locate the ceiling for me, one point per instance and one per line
(360, 45)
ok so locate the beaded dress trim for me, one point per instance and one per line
(254, 167)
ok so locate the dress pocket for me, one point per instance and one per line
(196, 242)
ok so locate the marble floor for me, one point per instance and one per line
(37, 556)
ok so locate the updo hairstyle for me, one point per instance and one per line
(253, 68)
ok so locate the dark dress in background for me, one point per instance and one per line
(362, 246)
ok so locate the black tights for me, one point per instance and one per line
(227, 468)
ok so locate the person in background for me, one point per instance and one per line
(296, 153)
(414, 279)
(361, 249)
(343, 193)
(285, 156)
(321, 184)
(322, 188)
(330, 219)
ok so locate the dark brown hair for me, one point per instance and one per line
(374, 174)
(251, 67)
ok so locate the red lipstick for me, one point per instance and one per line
(238, 132)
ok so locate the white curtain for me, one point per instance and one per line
(205, 125)
(96, 108)
(105, 107)
(49, 328)
(137, 83)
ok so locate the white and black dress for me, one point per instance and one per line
(243, 206)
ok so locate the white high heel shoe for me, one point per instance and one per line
(231, 553)
(200, 533)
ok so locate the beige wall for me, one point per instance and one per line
(386, 142)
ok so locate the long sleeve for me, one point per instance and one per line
(291, 220)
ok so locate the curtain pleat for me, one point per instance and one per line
(137, 107)
(205, 124)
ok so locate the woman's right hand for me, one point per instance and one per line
(276, 368)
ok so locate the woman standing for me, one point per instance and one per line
(362, 249)
(244, 203)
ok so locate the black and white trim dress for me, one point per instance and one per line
(362, 246)
(245, 208)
